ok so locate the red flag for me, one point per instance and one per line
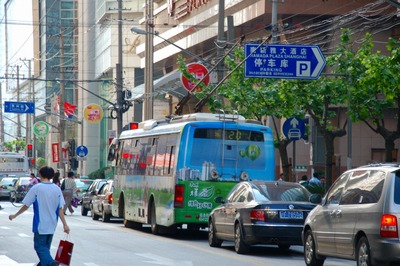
(69, 109)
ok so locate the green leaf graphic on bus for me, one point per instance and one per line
(253, 152)
(242, 153)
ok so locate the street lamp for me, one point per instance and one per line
(156, 33)
(149, 65)
(148, 72)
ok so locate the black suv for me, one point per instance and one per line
(89, 193)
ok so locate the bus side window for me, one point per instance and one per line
(111, 152)
(150, 156)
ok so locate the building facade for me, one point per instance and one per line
(79, 44)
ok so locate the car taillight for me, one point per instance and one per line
(179, 196)
(110, 199)
(389, 226)
(257, 215)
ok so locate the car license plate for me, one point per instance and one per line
(291, 215)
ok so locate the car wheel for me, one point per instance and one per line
(240, 246)
(363, 252)
(213, 241)
(12, 197)
(153, 220)
(310, 256)
(84, 211)
(94, 215)
(105, 217)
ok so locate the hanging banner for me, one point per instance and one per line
(55, 148)
(41, 129)
(93, 113)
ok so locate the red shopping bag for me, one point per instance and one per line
(64, 252)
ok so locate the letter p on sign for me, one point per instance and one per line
(303, 68)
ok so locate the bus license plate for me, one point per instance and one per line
(291, 215)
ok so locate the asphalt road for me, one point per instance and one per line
(106, 244)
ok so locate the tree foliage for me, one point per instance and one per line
(365, 81)
(15, 145)
(375, 89)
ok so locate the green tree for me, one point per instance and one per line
(375, 89)
(40, 162)
(320, 99)
(15, 145)
(254, 98)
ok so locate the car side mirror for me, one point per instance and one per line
(316, 198)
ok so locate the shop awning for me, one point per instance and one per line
(169, 83)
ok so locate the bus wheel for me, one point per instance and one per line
(153, 220)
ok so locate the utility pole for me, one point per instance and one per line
(274, 21)
(28, 136)
(18, 99)
(221, 39)
(118, 69)
(1, 114)
(149, 68)
(61, 126)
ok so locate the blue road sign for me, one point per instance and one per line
(19, 107)
(284, 61)
(294, 128)
(82, 151)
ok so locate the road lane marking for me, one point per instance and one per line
(6, 261)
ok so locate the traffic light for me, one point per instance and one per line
(73, 163)
(32, 163)
(131, 126)
(29, 150)
(71, 148)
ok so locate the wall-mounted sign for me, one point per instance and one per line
(55, 148)
(41, 129)
(198, 71)
(93, 113)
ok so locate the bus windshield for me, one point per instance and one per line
(230, 148)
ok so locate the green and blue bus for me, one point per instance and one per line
(167, 173)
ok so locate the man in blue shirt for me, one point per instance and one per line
(48, 203)
(315, 180)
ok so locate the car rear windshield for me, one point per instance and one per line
(397, 188)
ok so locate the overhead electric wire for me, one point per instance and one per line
(322, 33)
